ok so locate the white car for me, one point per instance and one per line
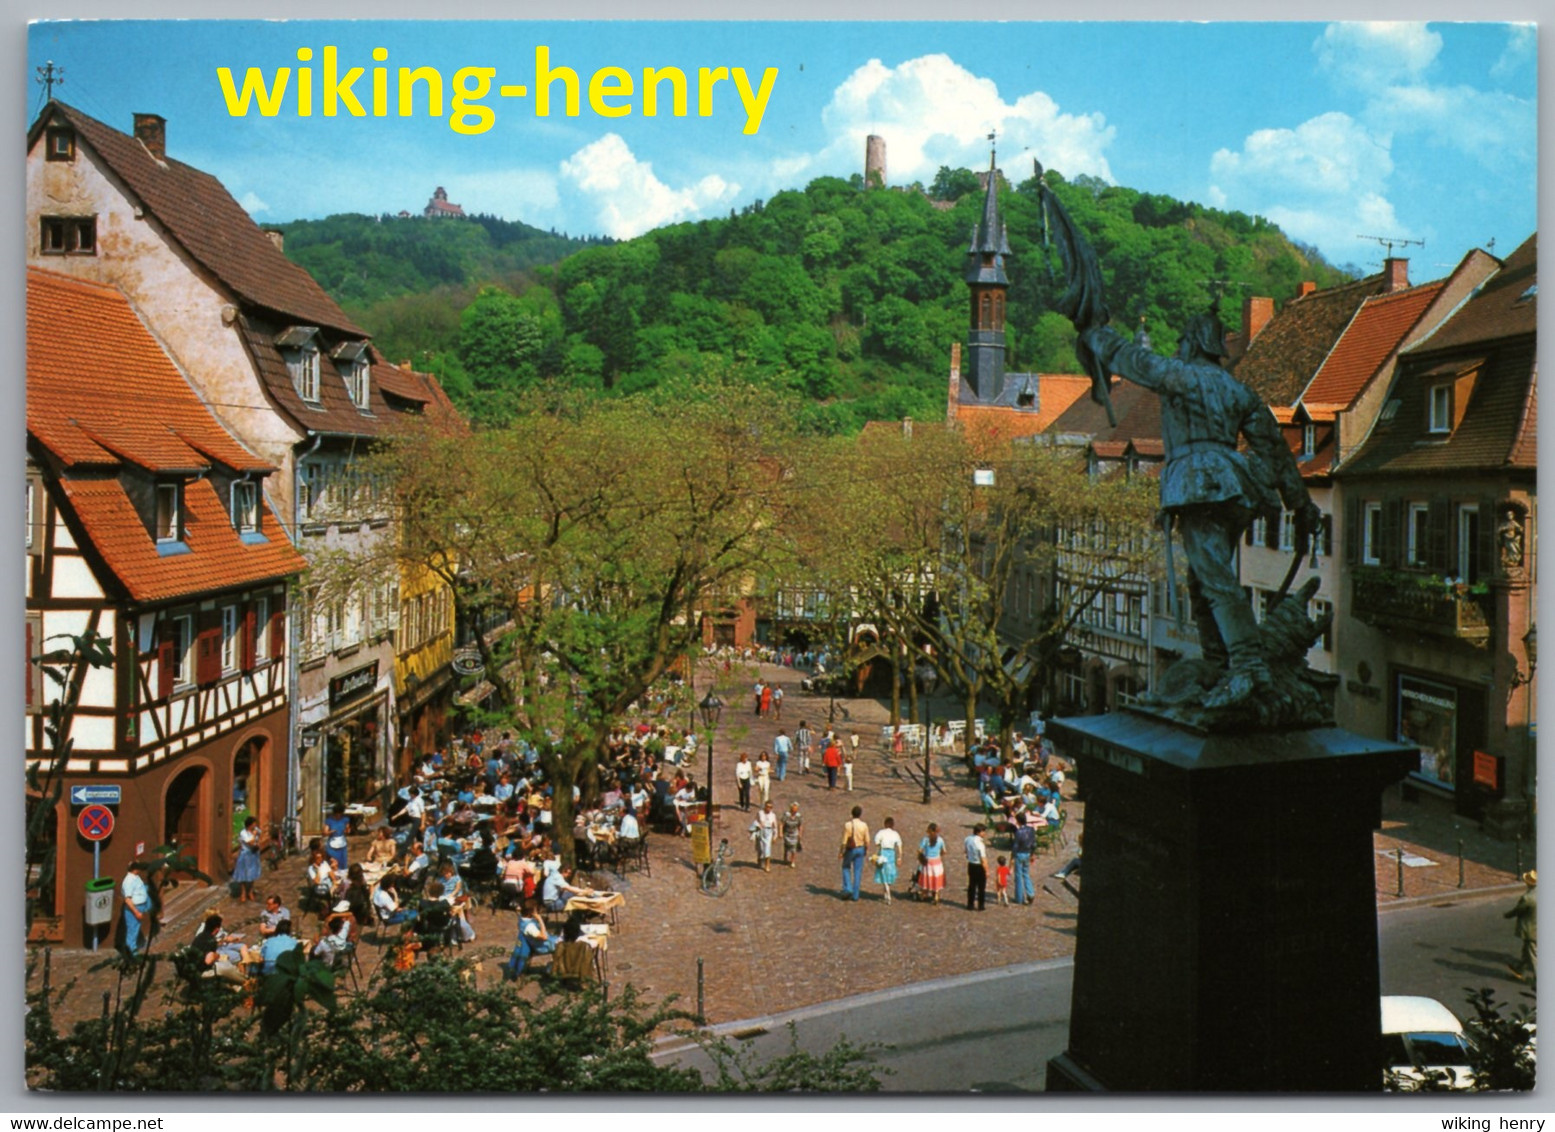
(1420, 1033)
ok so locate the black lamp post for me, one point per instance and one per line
(711, 708)
(929, 685)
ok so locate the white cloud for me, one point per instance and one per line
(1323, 182)
(1522, 41)
(1497, 130)
(252, 204)
(627, 198)
(931, 111)
(1371, 55)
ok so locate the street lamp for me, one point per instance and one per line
(929, 684)
(711, 708)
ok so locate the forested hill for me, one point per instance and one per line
(852, 297)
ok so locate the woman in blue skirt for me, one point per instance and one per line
(246, 871)
(335, 827)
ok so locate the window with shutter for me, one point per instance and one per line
(208, 654)
(34, 672)
(250, 635)
(1392, 526)
(1352, 531)
(277, 634)
(1486, 550)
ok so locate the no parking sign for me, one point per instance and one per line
(95, 822)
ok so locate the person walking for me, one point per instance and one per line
(766, 700)
(793, 833)
(137, 908)
(1024, 844)
(855, 843)
(976, 869)
(764, 777)
(847, 766)
(1525, 926)
(832, 760)
(760, 688)
(802, 741)
(931, 863)
(888, 851)
(781, 746)
(777, 701)
(763, 832)
(742, 780)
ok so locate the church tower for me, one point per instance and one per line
(988, 285)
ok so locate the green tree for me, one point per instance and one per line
(953, 184)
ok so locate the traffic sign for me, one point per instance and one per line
(95, 822)
(101, 795)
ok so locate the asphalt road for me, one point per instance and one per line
(995, 1031)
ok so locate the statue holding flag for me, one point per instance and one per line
(1211, 490)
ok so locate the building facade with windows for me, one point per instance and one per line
(148, 526)
(1440, 550)
(285, 370)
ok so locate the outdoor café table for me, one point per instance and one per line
(597, 936)
(603, 904)
(359, 815)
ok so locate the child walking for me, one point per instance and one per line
(1002, 876)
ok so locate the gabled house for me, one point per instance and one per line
(1440, 546)
(150, 525)
(1351, 337)
(287, 372)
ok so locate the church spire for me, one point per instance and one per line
(987, 284)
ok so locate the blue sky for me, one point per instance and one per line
(1409, 130)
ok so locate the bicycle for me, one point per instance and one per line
(717, 876)
(285, 838)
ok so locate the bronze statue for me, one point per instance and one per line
(1210, 489)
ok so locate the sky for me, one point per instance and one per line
(1406, 131)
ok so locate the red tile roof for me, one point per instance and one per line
(1056, 392)
(201, 216)
(1374, 333)
(102, 396)
(217, 559)
(1290, 349)
(1503, 307)
(100, 390)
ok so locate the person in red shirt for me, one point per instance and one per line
(832, 760)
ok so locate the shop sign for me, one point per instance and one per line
(357, 682)
(467, 662)
(1487, 770)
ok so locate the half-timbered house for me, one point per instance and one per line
(149, 526)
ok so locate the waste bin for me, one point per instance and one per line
(701, 843)
(99, 901)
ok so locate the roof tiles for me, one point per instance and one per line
(1292, 347)
(1378, 327)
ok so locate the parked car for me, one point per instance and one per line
(1420, 1034)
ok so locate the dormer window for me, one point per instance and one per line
(59, 143)
(245, 506)
(1308, 441)
(299, 346)
(1439, 421)
(355, 365)
(169, 517)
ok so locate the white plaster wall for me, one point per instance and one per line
(175, 297)
(63, 539)
(73, 578)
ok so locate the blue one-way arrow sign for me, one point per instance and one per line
(94, 795)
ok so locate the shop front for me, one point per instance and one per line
(1447, 722)
(345, 754)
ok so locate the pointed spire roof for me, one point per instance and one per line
(989, 238)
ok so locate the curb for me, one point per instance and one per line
(677, 1043)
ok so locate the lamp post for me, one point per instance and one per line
(711, 708)
(1520, 678)
(929, 685)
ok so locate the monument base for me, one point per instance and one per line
(1227, 936)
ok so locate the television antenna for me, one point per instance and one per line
(1390, 242)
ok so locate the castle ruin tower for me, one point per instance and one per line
(874, 162)
(988, 285)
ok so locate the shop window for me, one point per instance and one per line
(1427, 715)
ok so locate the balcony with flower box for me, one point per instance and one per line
(1423, 603)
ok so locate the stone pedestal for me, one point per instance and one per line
(1228, 915)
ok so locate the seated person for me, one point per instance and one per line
(386, 904)
(215, 963)
(1050, 812)
(533, 939)
(558, 888)
(333, 941)
(276, 946)
(630, 830)
(382, 850)
(323, 880)
(504, 788)
(274, 912)
(684, 799)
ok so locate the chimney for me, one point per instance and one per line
(277, 238)
(151, 132)
(1305, 288)
(1257, 310)
(955, 383)
(1397, 271)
